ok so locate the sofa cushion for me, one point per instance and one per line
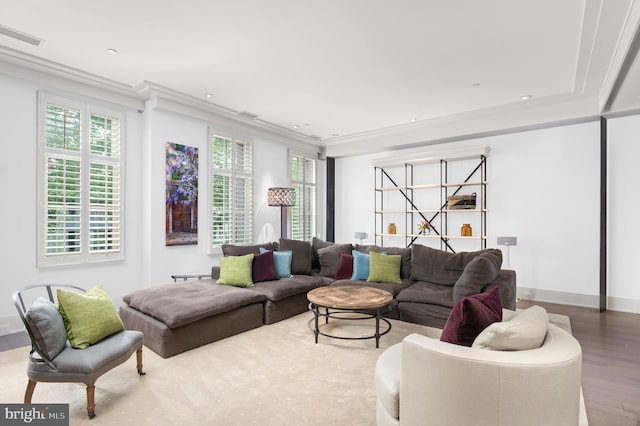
(329, 257)
(301, 255)
(470, 316)
(240, 250)
(287, 287)
(88, 317)
(317, 244)
(405, 268)
(186, 302)
(263, 268)
(384, 268)
(361, 265)
(428, 293)
(526, 330)
(479, 272)
(282, 262)
(437, 266)
(236, 270)
(345, 267)
(47, 327)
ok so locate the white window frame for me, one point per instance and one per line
(301, 186)
(86, 158)
(233, 173)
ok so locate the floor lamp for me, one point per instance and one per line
(282, 197)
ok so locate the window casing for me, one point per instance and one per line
(302, 170)
(231, 171)
(80, 182)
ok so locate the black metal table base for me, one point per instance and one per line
(335, 313)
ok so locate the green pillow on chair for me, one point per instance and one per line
(384, 268)
(236, 270)
(88, 317)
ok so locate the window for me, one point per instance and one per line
(303, 180)
(232, 188)
(79, 183)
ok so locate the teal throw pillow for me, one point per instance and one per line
(384, 268)
(88, 317)
(236, 270)
(360, 265)
(282, 262)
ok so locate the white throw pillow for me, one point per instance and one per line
(526, 330)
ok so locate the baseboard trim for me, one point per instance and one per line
(9, 325)
(577, 299)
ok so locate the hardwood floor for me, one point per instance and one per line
(610, 362)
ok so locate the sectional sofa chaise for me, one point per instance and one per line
(181, 316)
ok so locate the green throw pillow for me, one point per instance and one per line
(236, 270)
(88, 317)
(384, 268)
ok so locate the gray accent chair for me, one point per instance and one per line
(53, 359)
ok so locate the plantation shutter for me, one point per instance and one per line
(303, 181)
(232, 188)
(79, 186)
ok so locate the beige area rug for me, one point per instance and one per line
(272, 375)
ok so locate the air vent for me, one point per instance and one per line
(248, 115)
(20, 36)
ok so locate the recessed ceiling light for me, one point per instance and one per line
(413, 119)
(295, 126)
(526, 97)
(112, 51)
(208, 95)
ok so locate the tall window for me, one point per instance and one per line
(303, 180)
(232, 188)
(80, 191)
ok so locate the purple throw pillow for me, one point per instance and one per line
(345, 267)
(470, 316)
(263, 268)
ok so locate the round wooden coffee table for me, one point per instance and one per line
(336, 301)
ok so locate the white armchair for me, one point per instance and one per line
(423, 381)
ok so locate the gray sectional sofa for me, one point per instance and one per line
(181, 316)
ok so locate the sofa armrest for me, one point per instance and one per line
(452, 384)
(506, 282)
(215, 272)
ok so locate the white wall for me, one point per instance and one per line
(147, 260)
(543, 188)
(270, 169)
(18, 109)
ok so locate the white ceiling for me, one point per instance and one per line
(338, 69)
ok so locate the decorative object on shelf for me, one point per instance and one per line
(424, 227)
(391, 228)
(282, 197)
(466, 230)
(508, 241)
(360, 236)
(461, 202)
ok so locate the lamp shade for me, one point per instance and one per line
(281, 197)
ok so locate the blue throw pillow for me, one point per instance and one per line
(361, 262)
(282, 262)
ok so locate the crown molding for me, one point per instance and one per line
(511, 118)
(58, 77)
(166, 99)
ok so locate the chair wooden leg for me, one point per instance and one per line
(91, 406)
(29, 392)
(139, 361)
